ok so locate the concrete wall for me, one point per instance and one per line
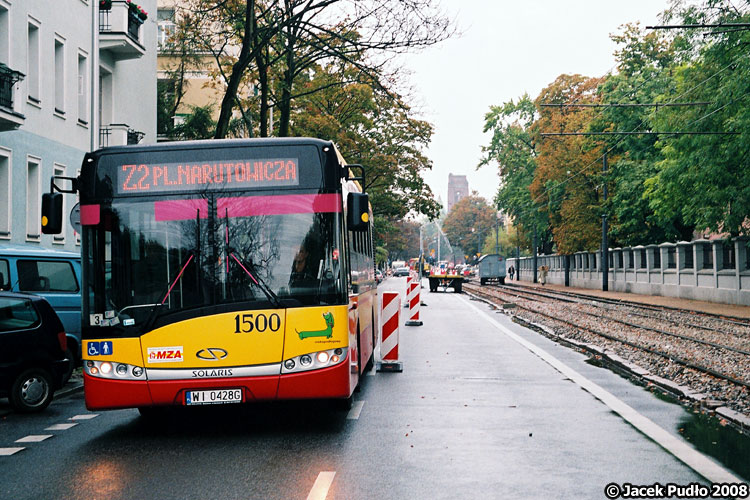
(714, 271)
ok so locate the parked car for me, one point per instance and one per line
(401, 271)
(32, 351)
(378, 275)
(53, 274)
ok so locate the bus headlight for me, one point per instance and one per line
(118, 371)
(313, 361)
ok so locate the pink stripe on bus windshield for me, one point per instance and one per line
(247, 206)
(279, 205)
(180, 209)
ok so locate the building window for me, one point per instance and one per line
(83, 89)
(33, 198)
(59, 76)
(631, 259)
(657, 259)
(166, 26)
(4, 193)
(60, 238)
(32, 71)
(4, 36)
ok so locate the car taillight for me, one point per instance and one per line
(63, 339)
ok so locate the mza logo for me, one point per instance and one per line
(165, 354)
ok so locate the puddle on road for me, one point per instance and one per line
(722, 442)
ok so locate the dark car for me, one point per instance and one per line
(401, 271)
(32, 351)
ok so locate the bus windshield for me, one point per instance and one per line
(159, 261)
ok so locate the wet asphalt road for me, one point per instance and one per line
(473, 415)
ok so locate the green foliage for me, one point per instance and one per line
(661, 187)
(468, 222)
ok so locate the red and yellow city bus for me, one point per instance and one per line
(222, 272)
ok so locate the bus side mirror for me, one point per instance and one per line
(52, 208)
(358, 213)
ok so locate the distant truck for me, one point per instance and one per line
(442, 277)
(398, 263)
(492, 268)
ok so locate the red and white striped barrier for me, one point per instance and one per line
(412, 297)
(390, 320)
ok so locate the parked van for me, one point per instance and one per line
(52, 274)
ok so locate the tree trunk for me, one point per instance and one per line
(238, 69)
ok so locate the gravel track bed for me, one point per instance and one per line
(725, 362)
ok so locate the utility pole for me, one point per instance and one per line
(497, 234)
(535, 252)
(605, 242)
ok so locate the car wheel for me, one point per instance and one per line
(32, 391)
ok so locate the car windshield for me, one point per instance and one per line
(152, 261)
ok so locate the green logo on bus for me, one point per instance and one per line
(327, 332)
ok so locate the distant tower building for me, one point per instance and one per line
(458, 187)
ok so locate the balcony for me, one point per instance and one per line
(118, 134)
(120, 31)
(9, 119)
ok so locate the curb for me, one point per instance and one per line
(618, 364)
(646, 378)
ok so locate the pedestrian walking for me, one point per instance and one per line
(543, 274)
(511, 272)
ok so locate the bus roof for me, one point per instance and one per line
(216, 144)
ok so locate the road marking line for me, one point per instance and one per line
(319, 490)
(34, 438)
(355, 411)
(682, 451)
(87, 416)
(60, 427)
(6, 452)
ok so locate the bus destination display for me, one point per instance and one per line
(214, 176)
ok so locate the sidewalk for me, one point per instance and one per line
(657, 300)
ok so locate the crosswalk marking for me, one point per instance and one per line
(34, 438)
(355, 411)
(60, 427)
(87, 416)
(6, 452)
(319, 490)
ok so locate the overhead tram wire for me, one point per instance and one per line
(664, 74)
(596, 162)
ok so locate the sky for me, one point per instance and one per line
(508, 48)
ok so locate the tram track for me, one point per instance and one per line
(719, 368)
(741, 342)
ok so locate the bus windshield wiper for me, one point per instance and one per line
(255, 276)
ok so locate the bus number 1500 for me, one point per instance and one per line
(246, 323)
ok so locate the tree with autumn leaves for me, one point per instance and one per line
(469, 223)
(663, 186)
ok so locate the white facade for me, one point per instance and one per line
(74, 78)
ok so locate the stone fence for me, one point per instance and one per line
(710, 270)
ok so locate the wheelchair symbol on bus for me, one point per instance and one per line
(103, 348)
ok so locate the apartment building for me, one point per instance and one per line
(194, 77)
(75, 75)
